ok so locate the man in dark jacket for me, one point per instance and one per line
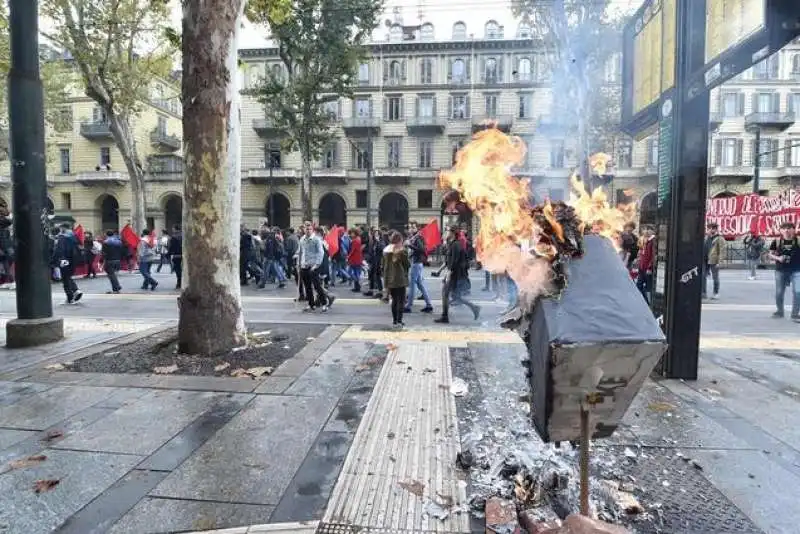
(66, 255)
(175, 252)
(417, 249)
(273, 253)
(290, 243)
(457, 266)
(112, 259)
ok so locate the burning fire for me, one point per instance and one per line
(514, 236)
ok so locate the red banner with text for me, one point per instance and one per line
(742, 214)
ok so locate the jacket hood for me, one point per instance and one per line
(387, 249)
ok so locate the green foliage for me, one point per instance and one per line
(118, 47)
(582, 39)
(320, 45)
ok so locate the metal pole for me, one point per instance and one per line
(369, 177)
(271, 198)
(757, 163)
(28, 174)
(584, 461)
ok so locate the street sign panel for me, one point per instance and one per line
(731, 22)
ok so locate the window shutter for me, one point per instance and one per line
(450, 70)
(739, 150)
(776, 102)
(450, 107)
(740, 103)
(338, 109)
(466, 106)
(790, 103)
(482, 68)
(718, 152)
(371, 108)
(774, 64)
(385, 72)
(787, 149)
(754, 153)
(422, 70)
(500, 70)
(754, 103)
(402, 108)
(403, 69)
(416, 107)
(468, 67)
(518, 75)
(775, 152)
(435, 113)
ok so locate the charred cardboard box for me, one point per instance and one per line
(598, 339)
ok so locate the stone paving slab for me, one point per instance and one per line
(193, 383)
(249, 461)
(11, 437)
(274, 385)
(11, 392)
(323, 381)
(83, 476)
(145, 424)
(155, 516)
(43, 409)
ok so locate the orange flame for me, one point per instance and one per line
(482, 175)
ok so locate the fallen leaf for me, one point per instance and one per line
(428, 370)
(27, 462)
(391, 346)
(168, 369)
(660, 406)
(45, 485)
(256, 372)
(221, 367)
(361, 368)
(412, 486)
(52, 435)
(55, 367)
(373, 360)
(240, 373)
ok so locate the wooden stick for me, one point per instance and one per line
(584, 461)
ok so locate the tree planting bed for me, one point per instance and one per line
(269, 345)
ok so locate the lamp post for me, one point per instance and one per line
(271, 198)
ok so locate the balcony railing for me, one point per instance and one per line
(395, 175)
(164, 164)
(277, 175)
(163, 139)
(715, 119)
(739, 170)
(361, 124)
(501, 122)
(96, 130)
(425, 125)
(103, 177)
(337, 175)
(267, 128)
(773, 120)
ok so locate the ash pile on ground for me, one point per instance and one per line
(505, 457)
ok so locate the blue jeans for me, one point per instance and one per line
(355, 275)
(783, 279)
(513, 291)
(416, 281)
(144, 269)
(274, 269)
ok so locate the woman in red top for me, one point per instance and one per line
(355, 257)
(647, 257)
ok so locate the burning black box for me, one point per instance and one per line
(599, 340)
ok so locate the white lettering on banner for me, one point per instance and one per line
(742, 214)
(691, 273)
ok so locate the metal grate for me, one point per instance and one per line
(342, 528)
(690, 504)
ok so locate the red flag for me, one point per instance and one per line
(129, 237)
(79, 235)
(431, 235)
(332, 239)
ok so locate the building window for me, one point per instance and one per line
(426, 106)
(331, 110)
(396, 33)
(363, 74)
(490, 102)
(394, 108)
(426, 71)
(524, 31)
(360, 155)
(393, 145)
(64, 159)
(458, 71)
(330, 159)
(525, 106)
(557, 154)
(492, 30)
(729, 153)
(425, 199)
(732, 104)
(768, 69)
(794, 152)
(455, 146)
(766, 102)
(652, 152)
(796, 65)
(162, 125)
(272, 156)
(99, 115)
(459, 31)
(793, 102)
(396, 73)
(624, 154)
(426, 33)
(105, 158)
(523, 70)
(425, 153)
(491, 70)
(767, 153)
(361, 198)
(459, 107)
(362, 107)
(66, 201)
(63, 119)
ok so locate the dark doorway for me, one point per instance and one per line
(648, 210)
(393, 211)
(173, 212)
(332, 210)
(277, 211)
(109, 213)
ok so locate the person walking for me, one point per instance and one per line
(112, 250)
(786, 253)
(311, 253)
(396, 264)
(175, 252)
(753, 248)
(161, 250)
(355, 259)
(647, 260)
(416, 245)
(712, 256)
(457, 267)
(146, 252)
(67, 254)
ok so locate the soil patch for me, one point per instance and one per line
(270, 345)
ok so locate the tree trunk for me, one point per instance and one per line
(211, 319)
(126, 144)
(305, 186)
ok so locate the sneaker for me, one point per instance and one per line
(77, 296)
(476, 312)
(154, 286)
(369, 294)
(281, 285)
(777, 315)
(795, 316)
(325, 308)
(427, 309)
(308, 309)
(331, 300)
(406, 310)
(715, 296)
(442, 320)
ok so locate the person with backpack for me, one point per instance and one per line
(457, 267)
(753, 248)
(786, 252)
(66, 255)
(418, 253)
(396, 264)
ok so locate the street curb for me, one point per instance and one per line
(303, 527)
